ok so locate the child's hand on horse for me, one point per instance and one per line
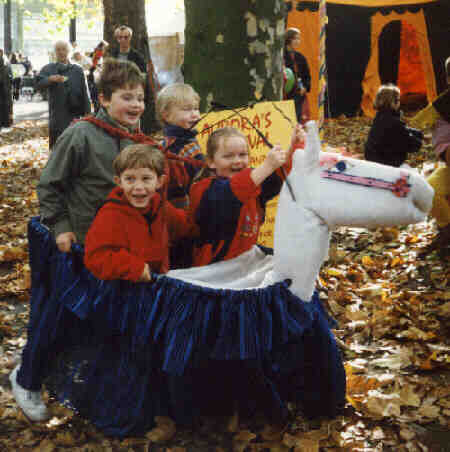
(276, 157)
(298, 138)
(64, 241)
(146, 274)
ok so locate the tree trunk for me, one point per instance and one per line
(7, 36)
(19, 18)
(233, 52)
(132, 14)
(73, 23)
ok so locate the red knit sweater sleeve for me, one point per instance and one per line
(196, 193)
(106, 253)
(179, 223)
(243, 186)
(96, 57)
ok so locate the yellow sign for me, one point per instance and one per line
(275, 120)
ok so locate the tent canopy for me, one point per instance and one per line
(370, 42)
(375, 3)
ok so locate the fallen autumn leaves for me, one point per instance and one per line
(393, 313)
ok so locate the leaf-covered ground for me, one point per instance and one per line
(393, 312)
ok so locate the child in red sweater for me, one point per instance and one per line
(129, 237)
(98, 53)
(228, 207)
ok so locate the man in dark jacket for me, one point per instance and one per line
(124, 51)
(68, 95)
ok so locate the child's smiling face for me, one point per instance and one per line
(126, 105)
(185, 115)
(139, 185)
(231, 156)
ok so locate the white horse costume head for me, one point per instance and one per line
(330, 190)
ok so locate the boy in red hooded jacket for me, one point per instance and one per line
(129, 237)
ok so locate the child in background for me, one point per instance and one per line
(76, 180)
(390, 139)
(299, 66)
(177, 107)
(129, 237)
(82, 60)
(228, 200)
(97, 55)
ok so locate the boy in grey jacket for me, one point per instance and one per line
(77, 178)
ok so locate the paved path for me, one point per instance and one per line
(25, 109)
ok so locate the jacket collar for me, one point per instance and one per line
(171, 130)
(63, 67)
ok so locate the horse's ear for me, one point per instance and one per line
(312, 147)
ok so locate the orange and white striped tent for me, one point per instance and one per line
(370, 42)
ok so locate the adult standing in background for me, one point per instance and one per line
(296, 61)
(27, 65)
(68, 96)
(81, 60)
(5, 92)
(16, 69)
(124, 51)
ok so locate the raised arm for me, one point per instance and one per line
(275, 158)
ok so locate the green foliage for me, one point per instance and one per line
(58, 13)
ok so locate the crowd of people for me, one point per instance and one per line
(141, 205)
(60, 82)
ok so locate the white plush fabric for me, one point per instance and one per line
(302, 228)
(247, 271)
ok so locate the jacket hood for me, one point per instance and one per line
(119, 202)
(171, 130)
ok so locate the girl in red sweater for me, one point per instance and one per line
(129, 237)
(228, 207)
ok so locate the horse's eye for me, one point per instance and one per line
(341, 166)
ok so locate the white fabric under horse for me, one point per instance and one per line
(330, 190)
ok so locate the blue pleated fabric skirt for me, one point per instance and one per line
(121, 353)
